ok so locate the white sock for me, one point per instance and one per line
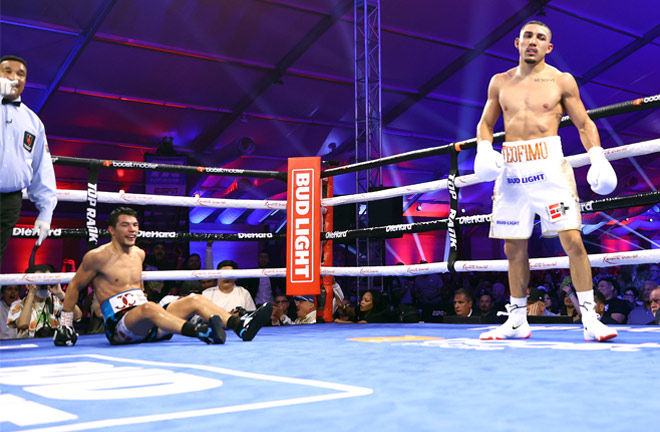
(520, 311)
(587, 302)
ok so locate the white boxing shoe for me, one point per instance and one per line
(595, 330)
(513, 328)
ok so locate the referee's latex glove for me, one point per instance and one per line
(7, 87)
(488, 164)
(601, 175)
(42, 227)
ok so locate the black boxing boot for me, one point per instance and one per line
(212, 332)
(249, 324)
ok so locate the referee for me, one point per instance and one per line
(25, 161)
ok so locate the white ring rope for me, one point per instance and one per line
(180, 201)
(576, 161)
(596, 260)
(163, 275)
(626, 151)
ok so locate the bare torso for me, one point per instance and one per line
(531, 105)
(115, 271)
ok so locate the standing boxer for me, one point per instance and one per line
(532, 176)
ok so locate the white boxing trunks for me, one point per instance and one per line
(114, 310)
(536, 180)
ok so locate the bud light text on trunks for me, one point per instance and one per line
(506, 222)
(534, 178)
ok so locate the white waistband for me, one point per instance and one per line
(547, 148)
(121, 301)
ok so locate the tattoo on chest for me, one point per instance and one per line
(544, 80)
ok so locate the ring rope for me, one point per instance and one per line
(576, 161)
(163, 275)
(595, 113)
(72, 195)
(579, 160)
(591, 206)
(596, 260)
(152, 166)
(103, 233)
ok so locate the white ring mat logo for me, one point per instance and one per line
(577, 345)
(93, 378)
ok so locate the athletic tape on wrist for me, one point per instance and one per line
(66, 319)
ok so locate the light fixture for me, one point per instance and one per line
(419, 207)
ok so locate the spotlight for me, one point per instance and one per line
(541, 4)
(419, 207)
(166, 147)
(462, 210)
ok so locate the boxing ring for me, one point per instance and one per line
(387, 377)
(342, 376)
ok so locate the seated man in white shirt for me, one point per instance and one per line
(227, 294)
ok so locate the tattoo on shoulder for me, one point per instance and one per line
(544, 80)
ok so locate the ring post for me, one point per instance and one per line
(303, 266)
(453, 225)
(328, 225)
(90, 211)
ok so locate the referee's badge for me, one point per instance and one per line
(28, 141)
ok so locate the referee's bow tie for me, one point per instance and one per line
(6, 101)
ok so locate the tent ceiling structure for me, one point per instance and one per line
(111, 78)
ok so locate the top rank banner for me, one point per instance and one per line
(303, 235)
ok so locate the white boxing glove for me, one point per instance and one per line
(43, 228)
(7, 87)
(488, 164)
(601, 175)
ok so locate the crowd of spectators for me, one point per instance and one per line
(624, 295)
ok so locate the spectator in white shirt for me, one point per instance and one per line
(227, 294)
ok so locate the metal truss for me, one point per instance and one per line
(368, 123)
